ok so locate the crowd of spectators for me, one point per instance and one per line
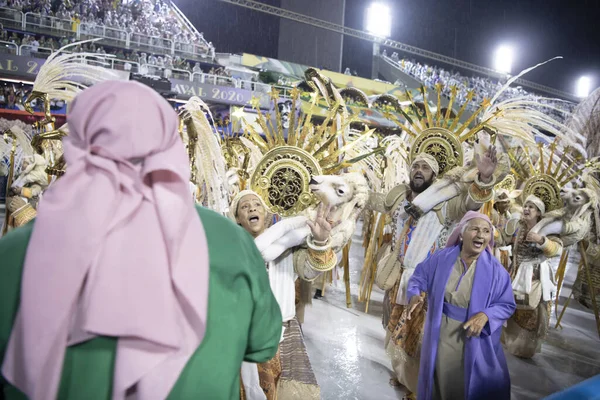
(483, 87)
(13, 96)
(149, 22)
(162, 65)
(33, 43)
(40, 46)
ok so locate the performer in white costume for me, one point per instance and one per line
(277, 378)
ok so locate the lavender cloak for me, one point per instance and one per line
(486, 372)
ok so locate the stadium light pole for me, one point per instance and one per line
(503, 59)
(584, 85)
(378, 22)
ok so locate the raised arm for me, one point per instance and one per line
(473, 196)
(310, 263)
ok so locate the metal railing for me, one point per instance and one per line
(124, 65)
(146, 69)
(151, 43)
(165, 72)
(11, 18)
(8, 48)
(284, 91)
(191, 50)
(41, 24)
(56, 26)
(183, 19)
(254, 86)
(35, 51)
(218, 80)
(114, 36)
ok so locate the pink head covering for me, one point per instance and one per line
(454, 238)
(117, 250)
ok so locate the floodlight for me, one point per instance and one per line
(503, 59)
(584, 85)
(379, 20)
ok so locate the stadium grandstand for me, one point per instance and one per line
(155, 39)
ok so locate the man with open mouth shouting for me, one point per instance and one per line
(417, 233)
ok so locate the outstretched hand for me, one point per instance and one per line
(475, 325)
(415, 301)
(487, 164)
(321, 227)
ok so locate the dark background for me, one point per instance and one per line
(469, 30)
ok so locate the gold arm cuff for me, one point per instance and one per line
(24, 215)
(479, 194)
(550, 248)
(322, 260)
(317, 246)
(26, 192)
(485, 186)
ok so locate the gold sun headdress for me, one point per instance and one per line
(289, 158)
(545, 170)
(441, 133)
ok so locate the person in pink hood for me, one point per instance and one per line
(121, 288)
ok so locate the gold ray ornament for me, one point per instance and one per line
(290, 157)
(555, 167)
(441, 134)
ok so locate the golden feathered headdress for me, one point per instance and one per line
(290, 157)
(441, 132)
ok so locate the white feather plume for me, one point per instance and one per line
(586, 121)
(396, 171)
(525, 119)
(209, 158)
(64, 74)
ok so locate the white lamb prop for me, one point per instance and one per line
(573, 221)
(34, 173)
(347, 195)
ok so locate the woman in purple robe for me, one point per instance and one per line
(470, 297)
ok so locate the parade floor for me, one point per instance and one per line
(345, 346)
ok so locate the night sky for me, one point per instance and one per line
(466, 29)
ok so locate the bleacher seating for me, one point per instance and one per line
(151, 26)
(483, 87)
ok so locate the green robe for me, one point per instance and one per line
(244, 321)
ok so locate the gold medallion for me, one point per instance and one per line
(282, 179)
(442, 145)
